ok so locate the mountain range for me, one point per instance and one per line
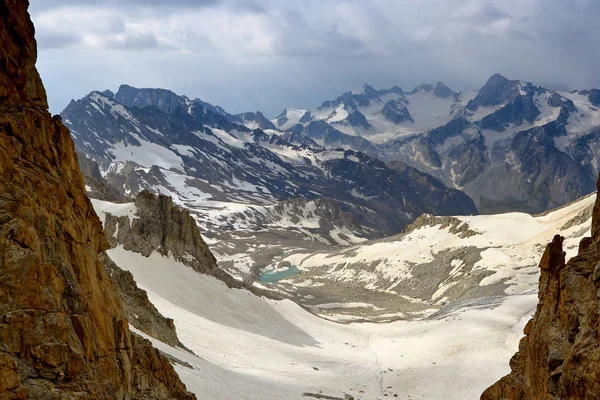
(510, 146)
(154, 139)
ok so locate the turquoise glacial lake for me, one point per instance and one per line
(275, 276)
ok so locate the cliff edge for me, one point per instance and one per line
(63, 333)
(559, 357)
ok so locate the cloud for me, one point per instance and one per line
(52, 40)
(268, 54)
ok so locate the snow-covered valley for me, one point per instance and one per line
(455, 345)
(248, 347)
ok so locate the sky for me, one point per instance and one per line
(249, 55)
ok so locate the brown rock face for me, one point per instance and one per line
(559, 358)
(63, 333)
(20, 83)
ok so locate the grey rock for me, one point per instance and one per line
(258, 118)
(326, 134)
(425, 87)
(593, 95)
(358, 120)
(497, 90)
(396, 112)
(161, 226)
(521, 109)
(165, 100)
(96, 186)
(443, 91)
(306, 118)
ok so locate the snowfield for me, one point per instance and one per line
(456, 293)
(248, 347)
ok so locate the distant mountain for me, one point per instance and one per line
(381, 115)
(516, 146)
(256, 120)
(510, 145)
(172, 145)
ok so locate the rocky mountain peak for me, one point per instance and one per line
(358, 119)
(497, 90)
(396, 89)
(443, 91)
(259, 119)
(159, 225)
(425, 87)
(63, 332)
(496, 79)
(369, 90)
(439, 90)
(166, 100)
(593, 95)
(396, 112)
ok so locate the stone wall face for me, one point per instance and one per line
(559, 357)
(63, 333)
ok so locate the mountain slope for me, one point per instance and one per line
(516, 147)
(254, 348)
(511, 145)
(380, 115)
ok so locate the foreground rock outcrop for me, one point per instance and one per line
(63, 333)
(559, 357)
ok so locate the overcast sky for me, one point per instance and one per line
(249, 55)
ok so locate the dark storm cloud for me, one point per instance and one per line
(298, 39)
(268, 54)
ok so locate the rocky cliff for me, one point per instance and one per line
(161, 226)
(63, 333)
(559, 357)
(158, 226)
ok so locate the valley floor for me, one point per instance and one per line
(255, 348)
